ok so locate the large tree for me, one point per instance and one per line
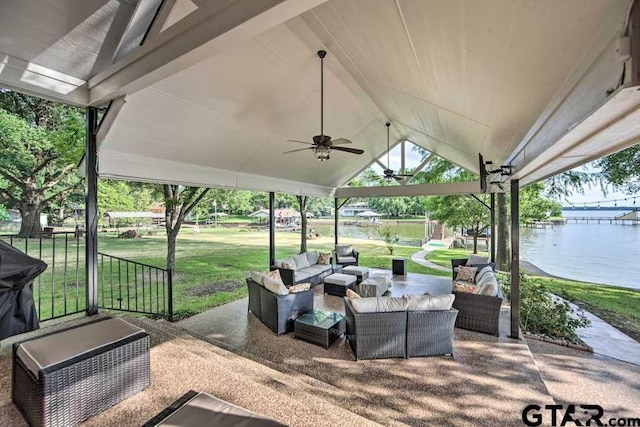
(503, 259)
(461, 211)
(303, 204)
(622, 169)
(40, 145)
(179, 201)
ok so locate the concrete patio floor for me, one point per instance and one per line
(489, 381)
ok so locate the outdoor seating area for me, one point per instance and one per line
(431, 120)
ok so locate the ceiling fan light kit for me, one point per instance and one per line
(322, 144)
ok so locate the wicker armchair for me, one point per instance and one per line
(340, 256)
(480, 313)
(278, 312)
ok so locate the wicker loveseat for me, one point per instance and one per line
(302, 268)
(278, 312)
(480, 313)
(402, 334)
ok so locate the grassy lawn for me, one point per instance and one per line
(617, 306)
(211, 266)
(443, 257)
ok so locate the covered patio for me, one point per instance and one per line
(208, 93)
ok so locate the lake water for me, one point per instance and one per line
(599, 253)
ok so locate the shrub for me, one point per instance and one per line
(544, 314)
(389, 236)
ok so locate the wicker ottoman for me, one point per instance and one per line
(361, 273)
(374, 286)
(338, 283)
(63, 378)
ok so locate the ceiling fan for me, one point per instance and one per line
(322, 144)
(388, 172)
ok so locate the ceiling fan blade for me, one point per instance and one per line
(403, 174)
(299, 142)
(299, 149)
(348, 150)
(340, 141)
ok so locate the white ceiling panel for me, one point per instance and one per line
(455, 77)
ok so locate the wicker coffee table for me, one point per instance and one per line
(319, 327)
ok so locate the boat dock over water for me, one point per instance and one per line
(629, 218)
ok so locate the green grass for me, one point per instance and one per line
(211, 267)
(443, 257)
(616, 305)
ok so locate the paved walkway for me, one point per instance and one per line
(608, 341)
(599, 335)
(432, 245)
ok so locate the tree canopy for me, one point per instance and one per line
(40, 145)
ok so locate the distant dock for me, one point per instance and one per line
(629, 218)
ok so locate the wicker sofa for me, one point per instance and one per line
(399, 334)
(304, 269)
(278, 312)
(480, 313)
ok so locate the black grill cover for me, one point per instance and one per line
(17, 310)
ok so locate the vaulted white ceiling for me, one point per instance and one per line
(505, 78)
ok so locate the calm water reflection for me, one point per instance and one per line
(599, 253)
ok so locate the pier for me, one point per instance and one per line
(603, 220)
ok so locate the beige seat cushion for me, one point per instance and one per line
(275, 286)
(430, 302)
(47, 351)
(206, 410)
(340, 279)
(380, 304)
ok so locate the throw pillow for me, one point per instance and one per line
(324, 258)
(466, 274)
(301, 261)
(287, 266)
(275, 275)
(352, 295)
(312, 257)
(465, 287)
(477, 259)
(256, 277)
(275, 286)
(299, 288)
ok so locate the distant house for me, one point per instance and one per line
(354, 209)
(113, 217)
(283, 216)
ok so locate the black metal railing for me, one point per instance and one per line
(123, 285)
(61, 289)
(132, 286)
